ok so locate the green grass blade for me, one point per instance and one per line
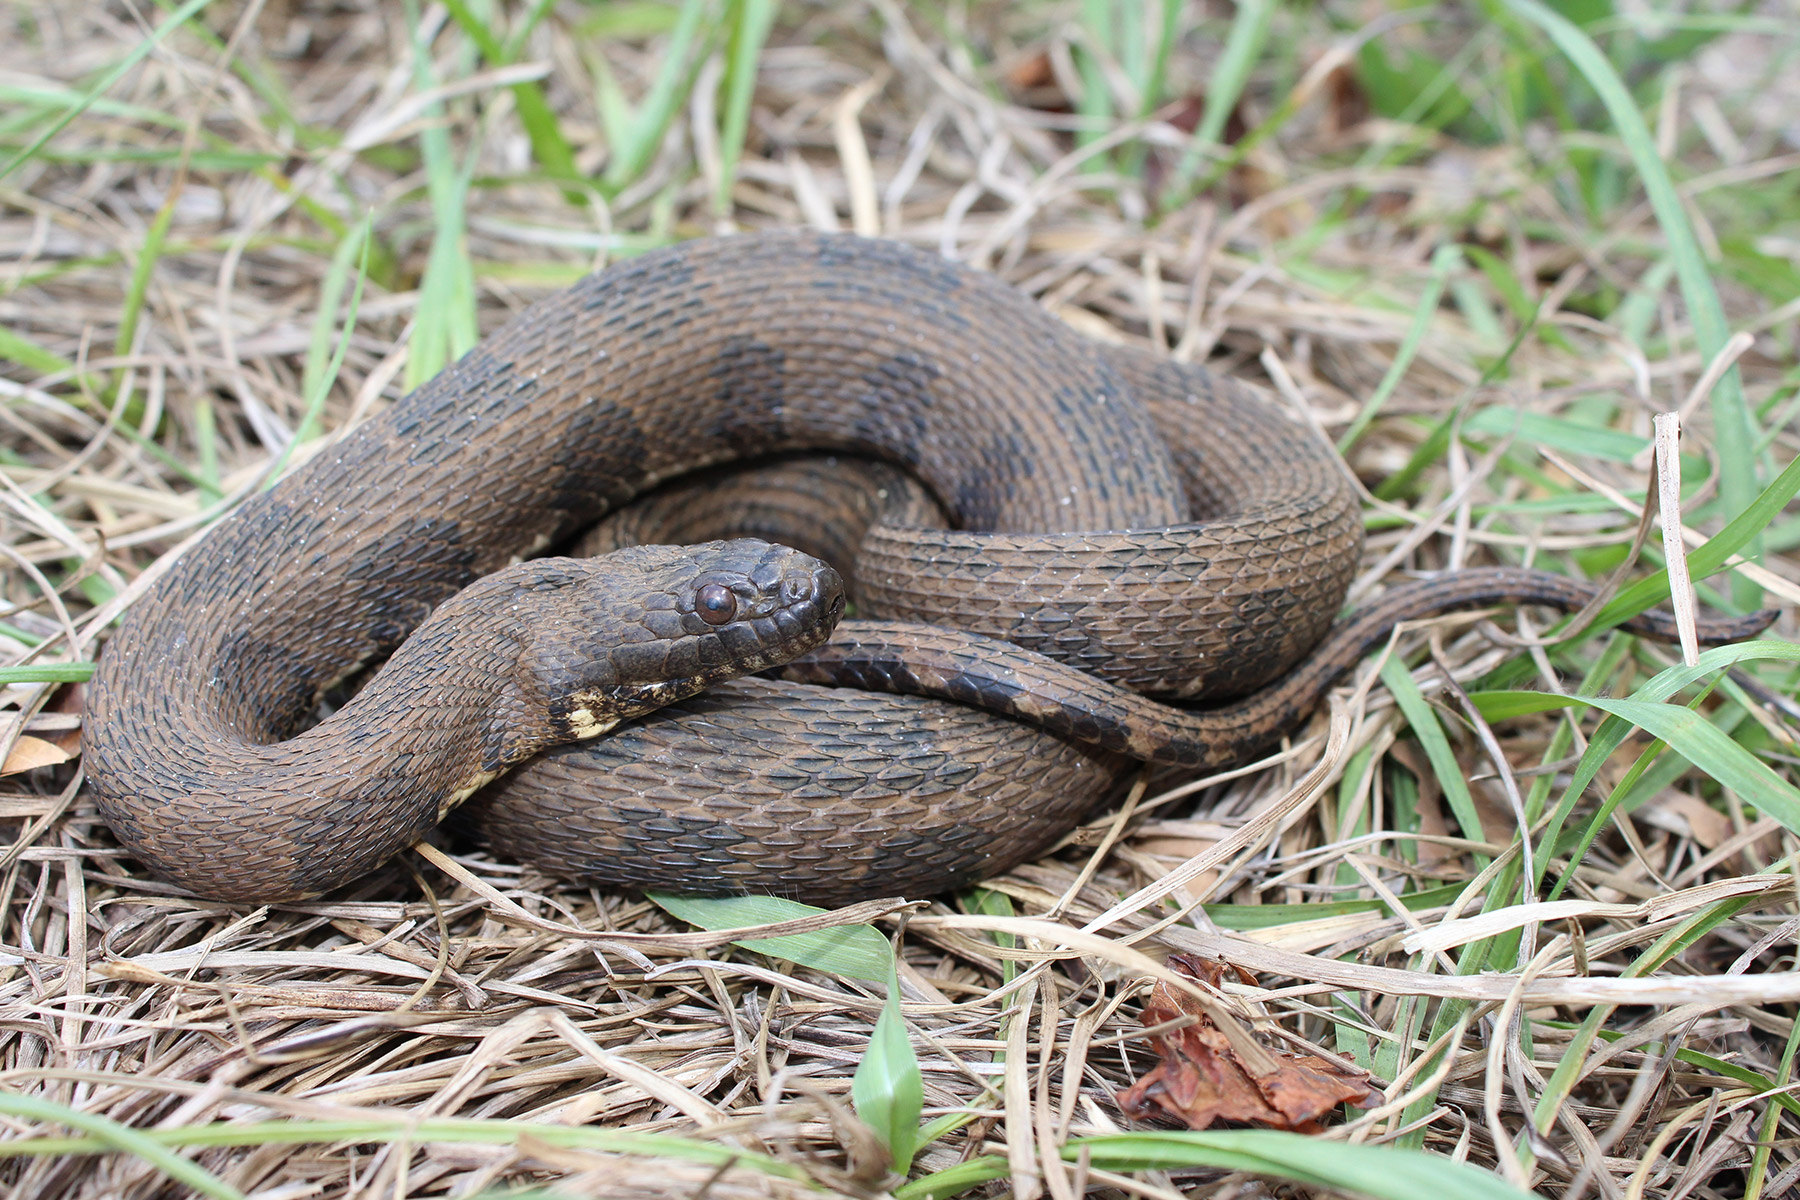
(1504, 280)
(323, 362)
(1731, 417)
(66, 672)
(1473, 303)
(751, 21)
(644, 132)
(1711, 556)
(1150, 87)
(548, 145)
(437, 1131)
(201, 160)
(612, 107)
(26, 103)
(137, 54)
(1425, 727)
(1561, 1082)
(1384, 1172)
(1612, 732)
(120, 1137)
(1702, 743)
(985, 902)
(853, 951)
(206, 447)
(630, 19)
(522, 30)
(1638, 312)
(27, 353)
(1769, 1127)
(253, 71)
(887, 1089)
(1754, 1080)
(1444, 262)
(1243, 48)
(444, 326)
(1558, 433)
(133, 308)
(483, 37)
(1438, 440)
(1095, 104)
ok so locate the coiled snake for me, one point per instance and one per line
(1232, 535)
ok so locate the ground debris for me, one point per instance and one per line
(1201, 1079)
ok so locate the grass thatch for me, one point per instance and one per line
(1416, 223)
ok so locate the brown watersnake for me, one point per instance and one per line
(701, 354)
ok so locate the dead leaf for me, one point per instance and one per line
(1686, 815)
(1031, 71)
(30, 753)
(1346, 103)
(1200, 1079)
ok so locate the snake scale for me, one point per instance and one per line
(1229, 538)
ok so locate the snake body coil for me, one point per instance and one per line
(1227, 549)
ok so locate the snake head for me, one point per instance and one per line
(661, 623)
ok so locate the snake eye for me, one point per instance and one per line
(715, 603)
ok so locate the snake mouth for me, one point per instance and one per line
(809, 602)
(634, 700)
(828, 587)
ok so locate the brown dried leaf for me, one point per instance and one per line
(30, 753)
(1346, 103)
(1685, 815)
(1031, 71)
(1200, 1080)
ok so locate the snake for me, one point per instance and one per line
(1105, 512)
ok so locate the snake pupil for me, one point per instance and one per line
(715, 603)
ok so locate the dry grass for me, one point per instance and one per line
(164, 262)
